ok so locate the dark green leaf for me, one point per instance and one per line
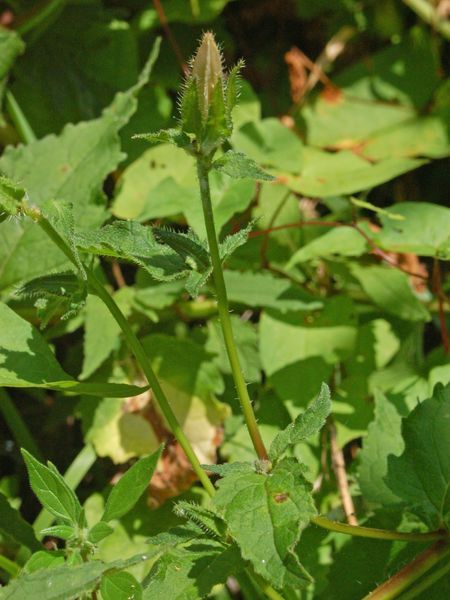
(14, 525)
(209, 522)
(130, 487)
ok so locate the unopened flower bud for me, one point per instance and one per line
(207, 71)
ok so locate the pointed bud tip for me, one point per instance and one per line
(207, 69)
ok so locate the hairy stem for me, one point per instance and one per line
(399, 582)
(139, 353)
(380, 534)
(223, 308)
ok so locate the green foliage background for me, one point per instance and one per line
(350, 286)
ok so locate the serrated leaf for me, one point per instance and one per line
(210, 523)
(63, 532)
(383, 439)
(52, 491)
(120, 586)
(63, 582)
(26, 360)
(190, 573)
(227, 468)
(173, 136)
(305, 425)
(239, 166)
(187, 245)
(14, 525)
(130, 487)
(100, 531)
(267, 533)
(233, 241)
(420, 476)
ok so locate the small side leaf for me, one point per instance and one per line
(239, 166)
(100, 531)
(227, 468)
(208, 521)
(305, 425)
(234, 241)
(64, 532)
(130, 487)
(187, 245)
(52, 490)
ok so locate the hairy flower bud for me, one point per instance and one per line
(207, 71)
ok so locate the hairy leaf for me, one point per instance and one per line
(120, 586)
(305, 425)
(239, 166)
(267, 533)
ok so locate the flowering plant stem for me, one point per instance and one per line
(203, 167)
(139, 353)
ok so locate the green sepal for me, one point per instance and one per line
(191, 117)
(232, 89)
(239, 166)
(217, 128)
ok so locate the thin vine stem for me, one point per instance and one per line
(138, 351)
(224, 314)
(380, 534)
(18, 118)
(402, 580)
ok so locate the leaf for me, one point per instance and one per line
(265, 290)
(206, 520)
(305, 425)
(391, 290)
(187, 245)
(14, 525)
(69, 167)
(27, 361)
(52, 491)
(376, 209)
(240, 166)
(120, 586)
(130, 487)
(190, 573)
(233, 467)
(383, 439)
(64, 532)
(44, 560)
(61, 294)
(99, 532)
(340, 241)
(234, 241)
(63, 582)
(172, 136)
(425, 230)
(420, 476)
(267, 533)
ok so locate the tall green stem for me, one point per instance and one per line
(222, 305)
(379, 534)
(138, 351)
(18, 118)
(402, 580)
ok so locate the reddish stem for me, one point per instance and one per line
(172, 41)
(437, 289)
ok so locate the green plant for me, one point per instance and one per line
(260, 519)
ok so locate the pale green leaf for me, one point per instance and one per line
(63, 532)
(130, 487)
(340, 241)
(100, 531)
(390, 289)
(267, 533)
(26, 361)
